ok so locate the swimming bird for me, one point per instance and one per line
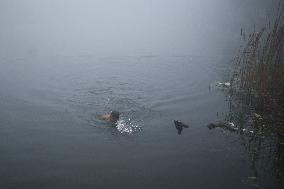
(225, 125)
(179, 126)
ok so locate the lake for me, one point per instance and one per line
(50, 136)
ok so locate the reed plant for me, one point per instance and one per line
(258, 76)
(257, 93)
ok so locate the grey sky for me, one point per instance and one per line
(126, 26)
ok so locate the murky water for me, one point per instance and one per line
(50, 137)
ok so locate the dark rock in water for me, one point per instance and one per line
(179, 126)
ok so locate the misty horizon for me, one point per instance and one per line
(126, 27)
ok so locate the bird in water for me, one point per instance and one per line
(179, 126)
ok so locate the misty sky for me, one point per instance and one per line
(208, 27)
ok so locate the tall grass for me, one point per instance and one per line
(257, 94)
(258, 78)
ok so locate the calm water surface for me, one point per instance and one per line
(50, 137)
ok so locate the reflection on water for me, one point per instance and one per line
(127, 127)
(260, 138)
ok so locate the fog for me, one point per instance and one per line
(110, 27)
